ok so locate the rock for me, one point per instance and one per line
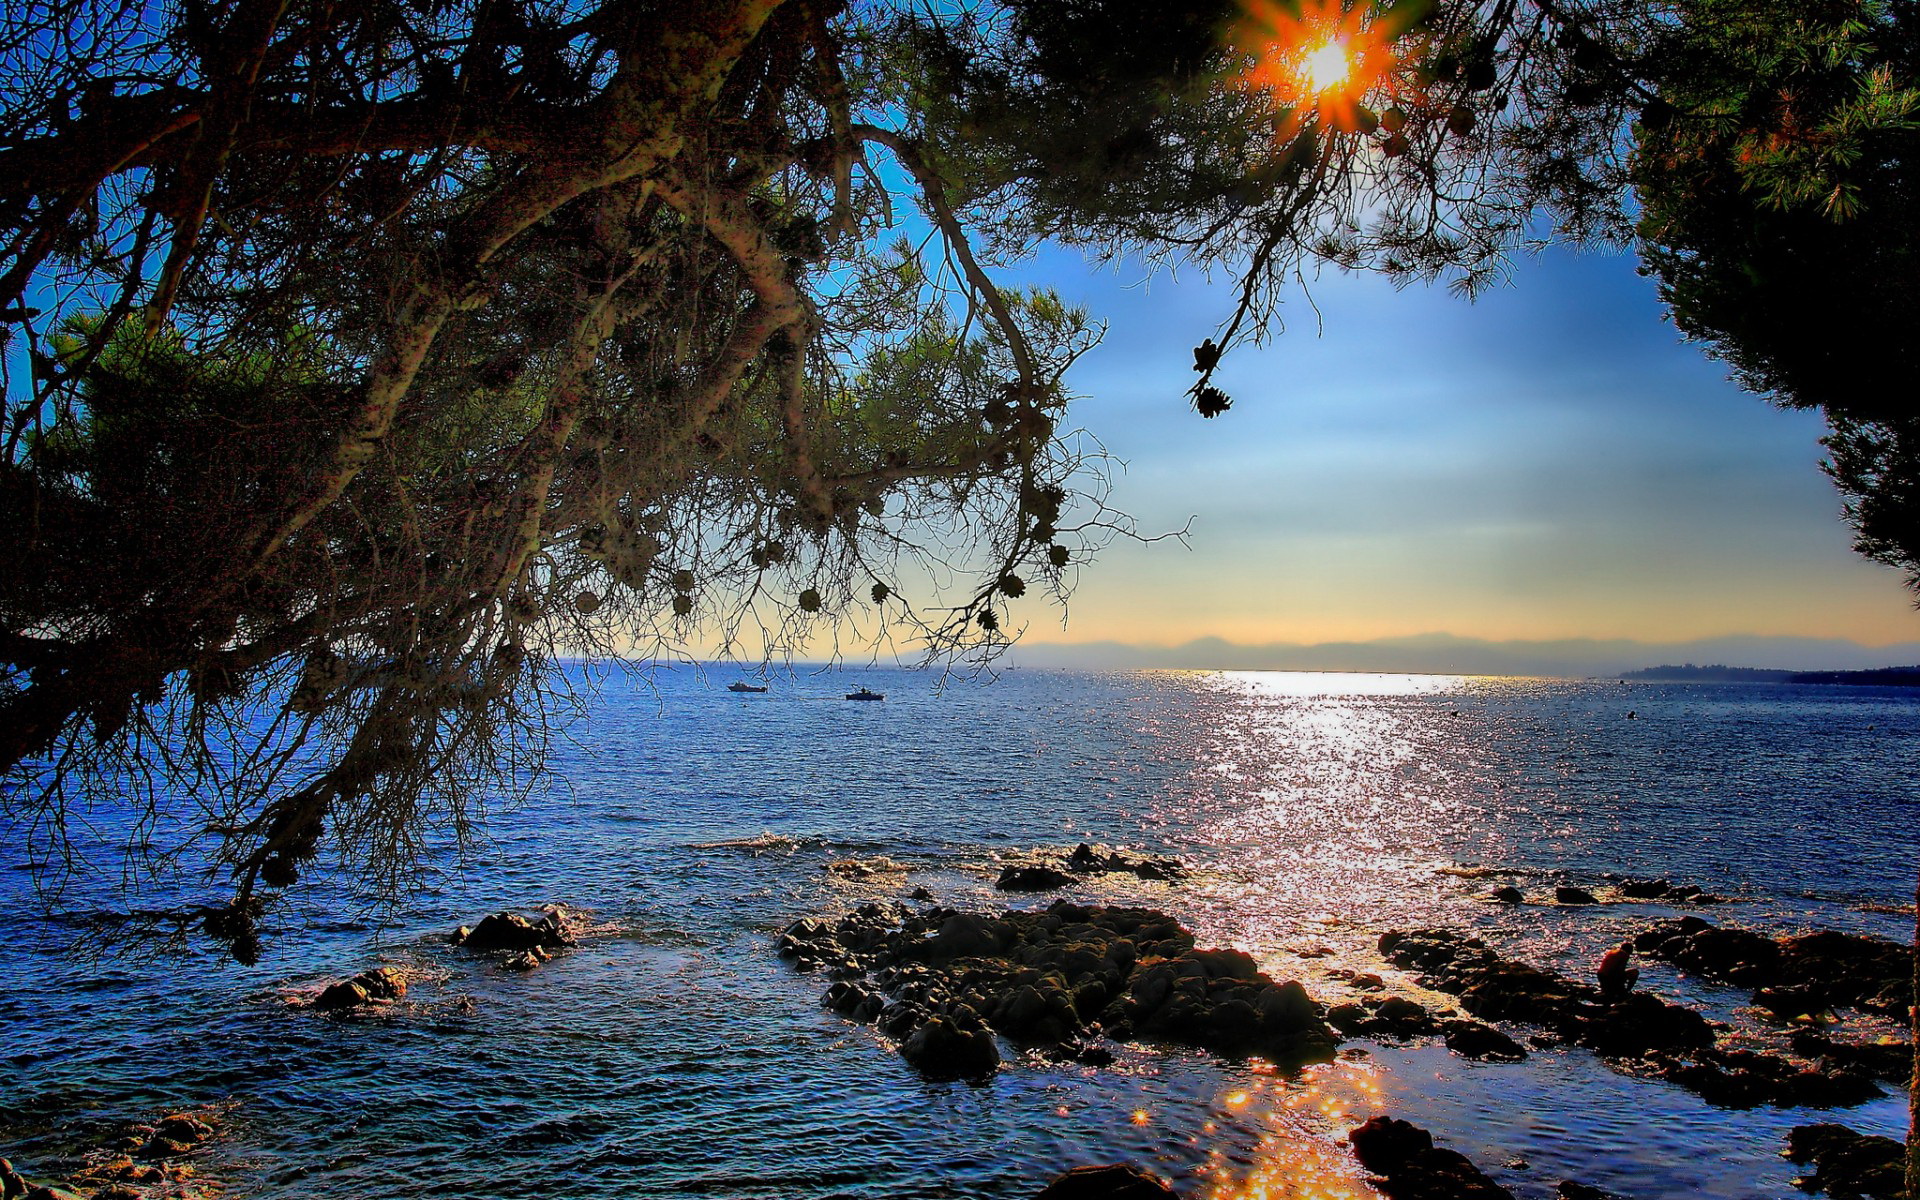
(513, 934)
(377, 985)
(1471, 1039)
(1642, 889)
(526, 960)
(921, 894)
(1411, 1167)
(1886, 1058)
(1567, 1189)
(1642, 1033)
(12, 1184)
(943, 1048)
(52, 1193)
(165, 1147)
(1116, 1182)
(1508, 895)
(183, 1127)
(1573, 895)
(1056, 978)
(1031, 879)
(1846, 1163)
(1834, 970)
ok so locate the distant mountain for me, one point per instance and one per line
(1447, 654)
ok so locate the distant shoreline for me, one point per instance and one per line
(1718, 673)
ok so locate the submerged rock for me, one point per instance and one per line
(1115, 1182)
(1573, 895)
(1508, 895)
(1471, 1039)
(1846, 1163)
(1411, 1167)
(945, 983)
(1567, 1189)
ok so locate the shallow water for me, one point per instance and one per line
(673, 1053)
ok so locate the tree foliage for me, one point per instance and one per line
(1777, 171)
(365, 355)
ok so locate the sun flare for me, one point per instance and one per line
(1328, 65)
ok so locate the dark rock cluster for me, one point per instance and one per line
(376, 985)
(1629, 889)
(944, 983)
(1791, 975)
(1640, 1032)
(521, 944)
(1084, 861)
(1397, 1018)
(1847, 1164)
(1408, 1166)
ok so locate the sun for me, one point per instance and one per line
(1328, 65)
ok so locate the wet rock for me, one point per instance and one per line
(1031, 879)
(1567, 1189)
(1056, 978)
(1411, 1167)
(1642, 889)
(184, 1127)
(1790, 1003)
(1886, 1058)
(12, 1184)
(1085, 860)
(1471, 1039)
(1827, 969)
(949, 1048)
(512, 933)
(921, 894)
(1393, 1017)
(376, 985)
(1638, 1033)
(1508, 895)
(52, 1193)
(1846, 1163)
(1573, 895)
(1748, 1079)
(1116, 1182)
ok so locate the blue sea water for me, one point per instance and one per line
(673, 1054)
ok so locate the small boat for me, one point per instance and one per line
(738, 686)
(864, 694)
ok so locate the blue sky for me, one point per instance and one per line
(1550, 461)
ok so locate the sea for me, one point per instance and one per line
(673, 1053)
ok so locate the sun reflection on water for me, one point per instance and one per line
(1327, 802)
(1294, 1128)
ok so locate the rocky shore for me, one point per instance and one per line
(1637, 1032)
